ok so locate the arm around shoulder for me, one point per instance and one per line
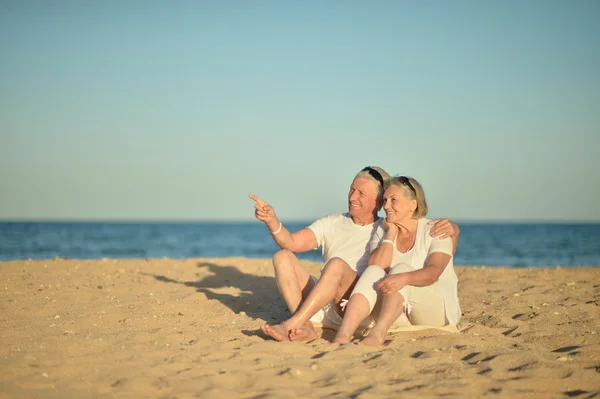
(454, 236)
(442, 228)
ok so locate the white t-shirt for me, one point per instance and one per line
(417, 256)
(340, 237)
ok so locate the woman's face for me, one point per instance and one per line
(397, 207)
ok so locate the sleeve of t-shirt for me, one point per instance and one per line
(441, 245)
(319, 228)
(376, 239)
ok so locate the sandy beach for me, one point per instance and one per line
(163, 328)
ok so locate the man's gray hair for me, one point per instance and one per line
(372, 173)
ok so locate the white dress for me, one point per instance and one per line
(417, 256)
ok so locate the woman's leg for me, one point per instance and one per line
(361, 303)
(423, 305)
(427, 306)
(392, 306)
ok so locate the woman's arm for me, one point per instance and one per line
(429, 274)
(382, 255)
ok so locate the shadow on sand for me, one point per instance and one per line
(258, 296)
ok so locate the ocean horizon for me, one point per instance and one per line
(513, 244)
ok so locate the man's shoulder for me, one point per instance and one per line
(333, 223)
(330, 221)
(337, 217)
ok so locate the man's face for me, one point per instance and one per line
(362, 198)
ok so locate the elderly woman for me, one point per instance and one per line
(410, 271)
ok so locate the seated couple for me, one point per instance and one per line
(376, 273)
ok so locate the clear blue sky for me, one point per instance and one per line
(179, 110)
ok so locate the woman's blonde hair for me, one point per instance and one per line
(412, 190)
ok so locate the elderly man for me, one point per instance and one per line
(344, 239)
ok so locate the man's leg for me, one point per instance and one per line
(335, 283)
(343, 291)
(294, 283)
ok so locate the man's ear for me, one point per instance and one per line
(379, 204)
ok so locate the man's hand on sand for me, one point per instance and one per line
(443, 228)
(262, 210)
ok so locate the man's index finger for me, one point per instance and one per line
(258, 200)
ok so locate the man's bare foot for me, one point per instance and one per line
(305, 333)
(278, 332)
(373, 340)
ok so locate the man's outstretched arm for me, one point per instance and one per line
(300, 241)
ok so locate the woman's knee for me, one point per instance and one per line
(374, 273)
(367, 284)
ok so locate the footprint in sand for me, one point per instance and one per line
(509, 331)
(417, 354)
(522, 367)
(575, 393)
(473, 355)
(479, 360)
(524, 317)
(377, 356)
(566, 349)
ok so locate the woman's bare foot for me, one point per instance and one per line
(304, 333)
(278, 332)
(340, 339)
(373, 339)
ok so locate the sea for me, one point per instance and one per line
(480, 244)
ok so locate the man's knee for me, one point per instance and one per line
(337, 264)
(283, 257)
(287, 266)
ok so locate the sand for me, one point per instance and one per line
(163, 328)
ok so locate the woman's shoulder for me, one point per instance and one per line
(424, 227)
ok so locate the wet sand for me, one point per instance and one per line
(163, 328)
